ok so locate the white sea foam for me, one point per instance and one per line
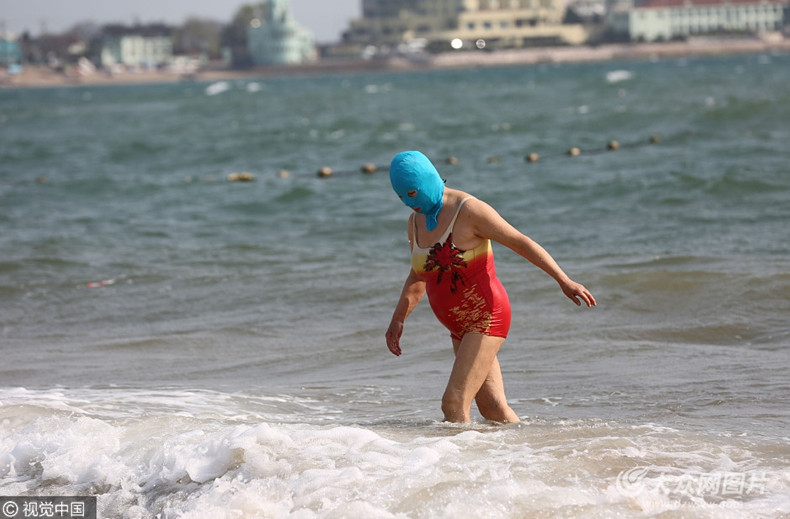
(217, 88)
(616, 76)
(204, 463)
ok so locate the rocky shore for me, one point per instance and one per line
(42, 76)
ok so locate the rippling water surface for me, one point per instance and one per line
(184, 346)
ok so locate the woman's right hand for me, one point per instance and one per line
(393, 335)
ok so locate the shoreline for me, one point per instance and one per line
(38, 76)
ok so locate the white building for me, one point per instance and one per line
(137, 49)
(664, 20)
(274, 38)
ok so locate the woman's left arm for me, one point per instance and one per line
(487, 223)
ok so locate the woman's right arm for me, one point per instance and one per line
(413, 290)
(410, 295)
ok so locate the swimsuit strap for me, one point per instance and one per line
(447, 231)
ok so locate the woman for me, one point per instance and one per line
(450, 234)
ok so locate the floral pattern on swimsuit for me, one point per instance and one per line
(446, 257)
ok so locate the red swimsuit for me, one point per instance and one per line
(462, 286)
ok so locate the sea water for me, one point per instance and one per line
(183, 346)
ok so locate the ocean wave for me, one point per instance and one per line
(199, 454)
(698, 300)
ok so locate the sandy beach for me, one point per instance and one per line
(43, 76)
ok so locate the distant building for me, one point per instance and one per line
(493, 23)
(274, 38)
(10, 51)
(664, 20)
(149, 46)
(585, 11)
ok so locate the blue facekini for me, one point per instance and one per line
(412, 171)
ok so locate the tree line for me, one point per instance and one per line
(195, 37)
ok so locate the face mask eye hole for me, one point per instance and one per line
(412, 193)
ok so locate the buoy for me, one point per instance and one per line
(573, 152)
(452, 160)
(532, 157)
(613, 145)
(241, 177)
(283, 173)
(654, 139)
(324, 172)
(369, 168)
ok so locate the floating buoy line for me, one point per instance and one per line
(369, 168)
(610, 146)
(532, 157)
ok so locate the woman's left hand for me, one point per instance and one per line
(577, 293)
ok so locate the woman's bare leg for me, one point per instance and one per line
(491, 400)
(476, 373)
